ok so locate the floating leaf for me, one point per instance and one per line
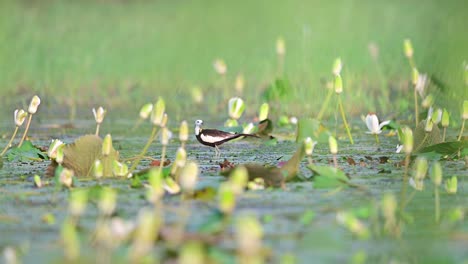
(423, 139)
(26, 152)
(447, 148)
(328, 177)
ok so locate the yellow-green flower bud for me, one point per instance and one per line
(337, 66)
(436, 173)
(181, 157)
(20, 116)
(164, 120)
(54, 146)
(280, 46)
(240, 82)
(248, 129)
(171, 186)
(220, 66)
(226, 198)
(183, 131)
(407, 138)
(35, 102)
(165, 136)
(107, 145)
(263, 113)
(421, 168)
(189, 176)
(231, 123)
(157, 114)
(338, 84)
(445, 118)
(408, 48)
(197, 95)
(37, 181)
(465, 110)
(146, 110)
(333, 145)
(59, 155)
(99, 114)
(78, 201)
(236, 107)
(309, 146)
(146, 233)
(428, 101)
(249, 234)
(238, 179)
(107, 201)
(66, 177)
(437, 116)
(451, 185)
(156, 190)
(98, 169)
(119, 169)
(192, 252)
(415, 76)
(429, 125)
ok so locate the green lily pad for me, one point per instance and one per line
(445, 149)
(328, 177)
(26, 152)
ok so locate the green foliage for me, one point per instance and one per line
(328, 177)
(26, 152)
(280, 90)
(308, 127)
(446, 150)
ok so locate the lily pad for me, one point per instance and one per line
(328, 177)
(26, 152)
(446, 149)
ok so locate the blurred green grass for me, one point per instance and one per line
(125, 53)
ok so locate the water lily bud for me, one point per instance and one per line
(99, 114)
(389, 206)
(164, 120)
(66, 177)
(220, 66)
(226, 198)
(78, 201)
(52, 152)
(146, 110)
(338, 84)
(337, 65)
(415, 76)
(437, 116)
(421, 83)
(248, 129)
(445, 118)
(451, 185)
(107, 145)
(35, 102)
(37, 181)
(309, 146)
(171, 186)
(181, 157)
(263, 113)
(408, 47)
(238, 179)
(236, 107)
(197, 95)
(429, 125)
(183, 131)
(256, 184)
(165, 136)
(192, 252)
(280, 46)
(188, 176)
(59, 155)
(157, 114)
(353, 224)
(119, 169)
(231, 123)
(240, 82)
(333, 145)
(107, 201)
(407, 138)
(421, 168)
(156, 190)
(249, 234)
(465, 110)
(98, 169)
(372, 123)
(436, 173)
(20, 116)
(428, 101)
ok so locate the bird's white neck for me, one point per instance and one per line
(197, 130)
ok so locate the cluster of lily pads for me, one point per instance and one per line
(93, 156)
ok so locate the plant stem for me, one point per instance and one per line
(405, 183)
(443, 137)
(335, 162)
(280, 65)
(461, 130)
(97, 129)
(163, 154)
(344, 120)
(416, 108)
(9, 142)
(377, 138)
(437, 204)
(325, 104)
(25, 131)
(143, 152)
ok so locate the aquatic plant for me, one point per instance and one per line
(99, 115)
(338, 91)
(373, 125)
(19, 117)
(32, 109)
(464, 118)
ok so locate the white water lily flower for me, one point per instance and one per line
(35, 102)
(373, 124)
(99, 114)
(20, 116)
(421, 84)
(52, 152)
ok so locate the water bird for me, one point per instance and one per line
(215, 137)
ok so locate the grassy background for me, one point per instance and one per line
(122, 54)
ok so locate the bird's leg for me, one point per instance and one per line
(218, 153)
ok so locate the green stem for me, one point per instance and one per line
(437, 204)
(163, 156)
(416, 107)
(461, 130)
(25, 131)
(377, 138)
(405, 183)
(9, 142)
(422, 142)
(443, 137)
(143, 152)
(97, 129)
(325, 104)
(344, 120)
